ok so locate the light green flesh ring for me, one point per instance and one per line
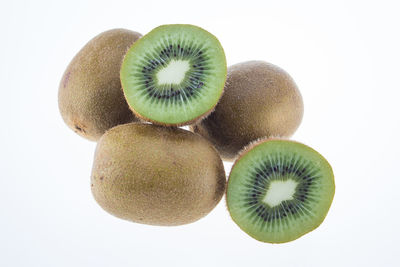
(174, 75)
(280, 190)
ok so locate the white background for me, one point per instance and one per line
(344, 56)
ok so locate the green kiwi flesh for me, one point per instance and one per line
(90, 96)
(156, 175)
(279, 190)
(174, 75)
(259, 100)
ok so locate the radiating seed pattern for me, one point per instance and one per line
(161, 55)
(280, 167)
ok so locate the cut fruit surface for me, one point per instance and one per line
(279, 190)
(174, 75)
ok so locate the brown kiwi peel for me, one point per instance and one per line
(156, 175)
(260, 100)
(90, 96)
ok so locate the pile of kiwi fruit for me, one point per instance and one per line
(132, 94)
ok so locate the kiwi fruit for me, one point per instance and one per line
(260, 100)
(156, 175)
(174, 75)
(279, 190)
(90, 96)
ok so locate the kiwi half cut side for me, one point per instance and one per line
(174, 75)
(279, 190)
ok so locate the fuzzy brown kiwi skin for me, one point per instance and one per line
(259, 100)
(156, 175)
(241, 154)
(90, 96)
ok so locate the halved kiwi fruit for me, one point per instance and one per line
(156, 175)
(174, 75)
(279, 190)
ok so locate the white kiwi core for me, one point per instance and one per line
(279, 191)
(174, 72)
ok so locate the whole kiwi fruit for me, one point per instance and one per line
(90, 96)
(259, 100)
(156, 175)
